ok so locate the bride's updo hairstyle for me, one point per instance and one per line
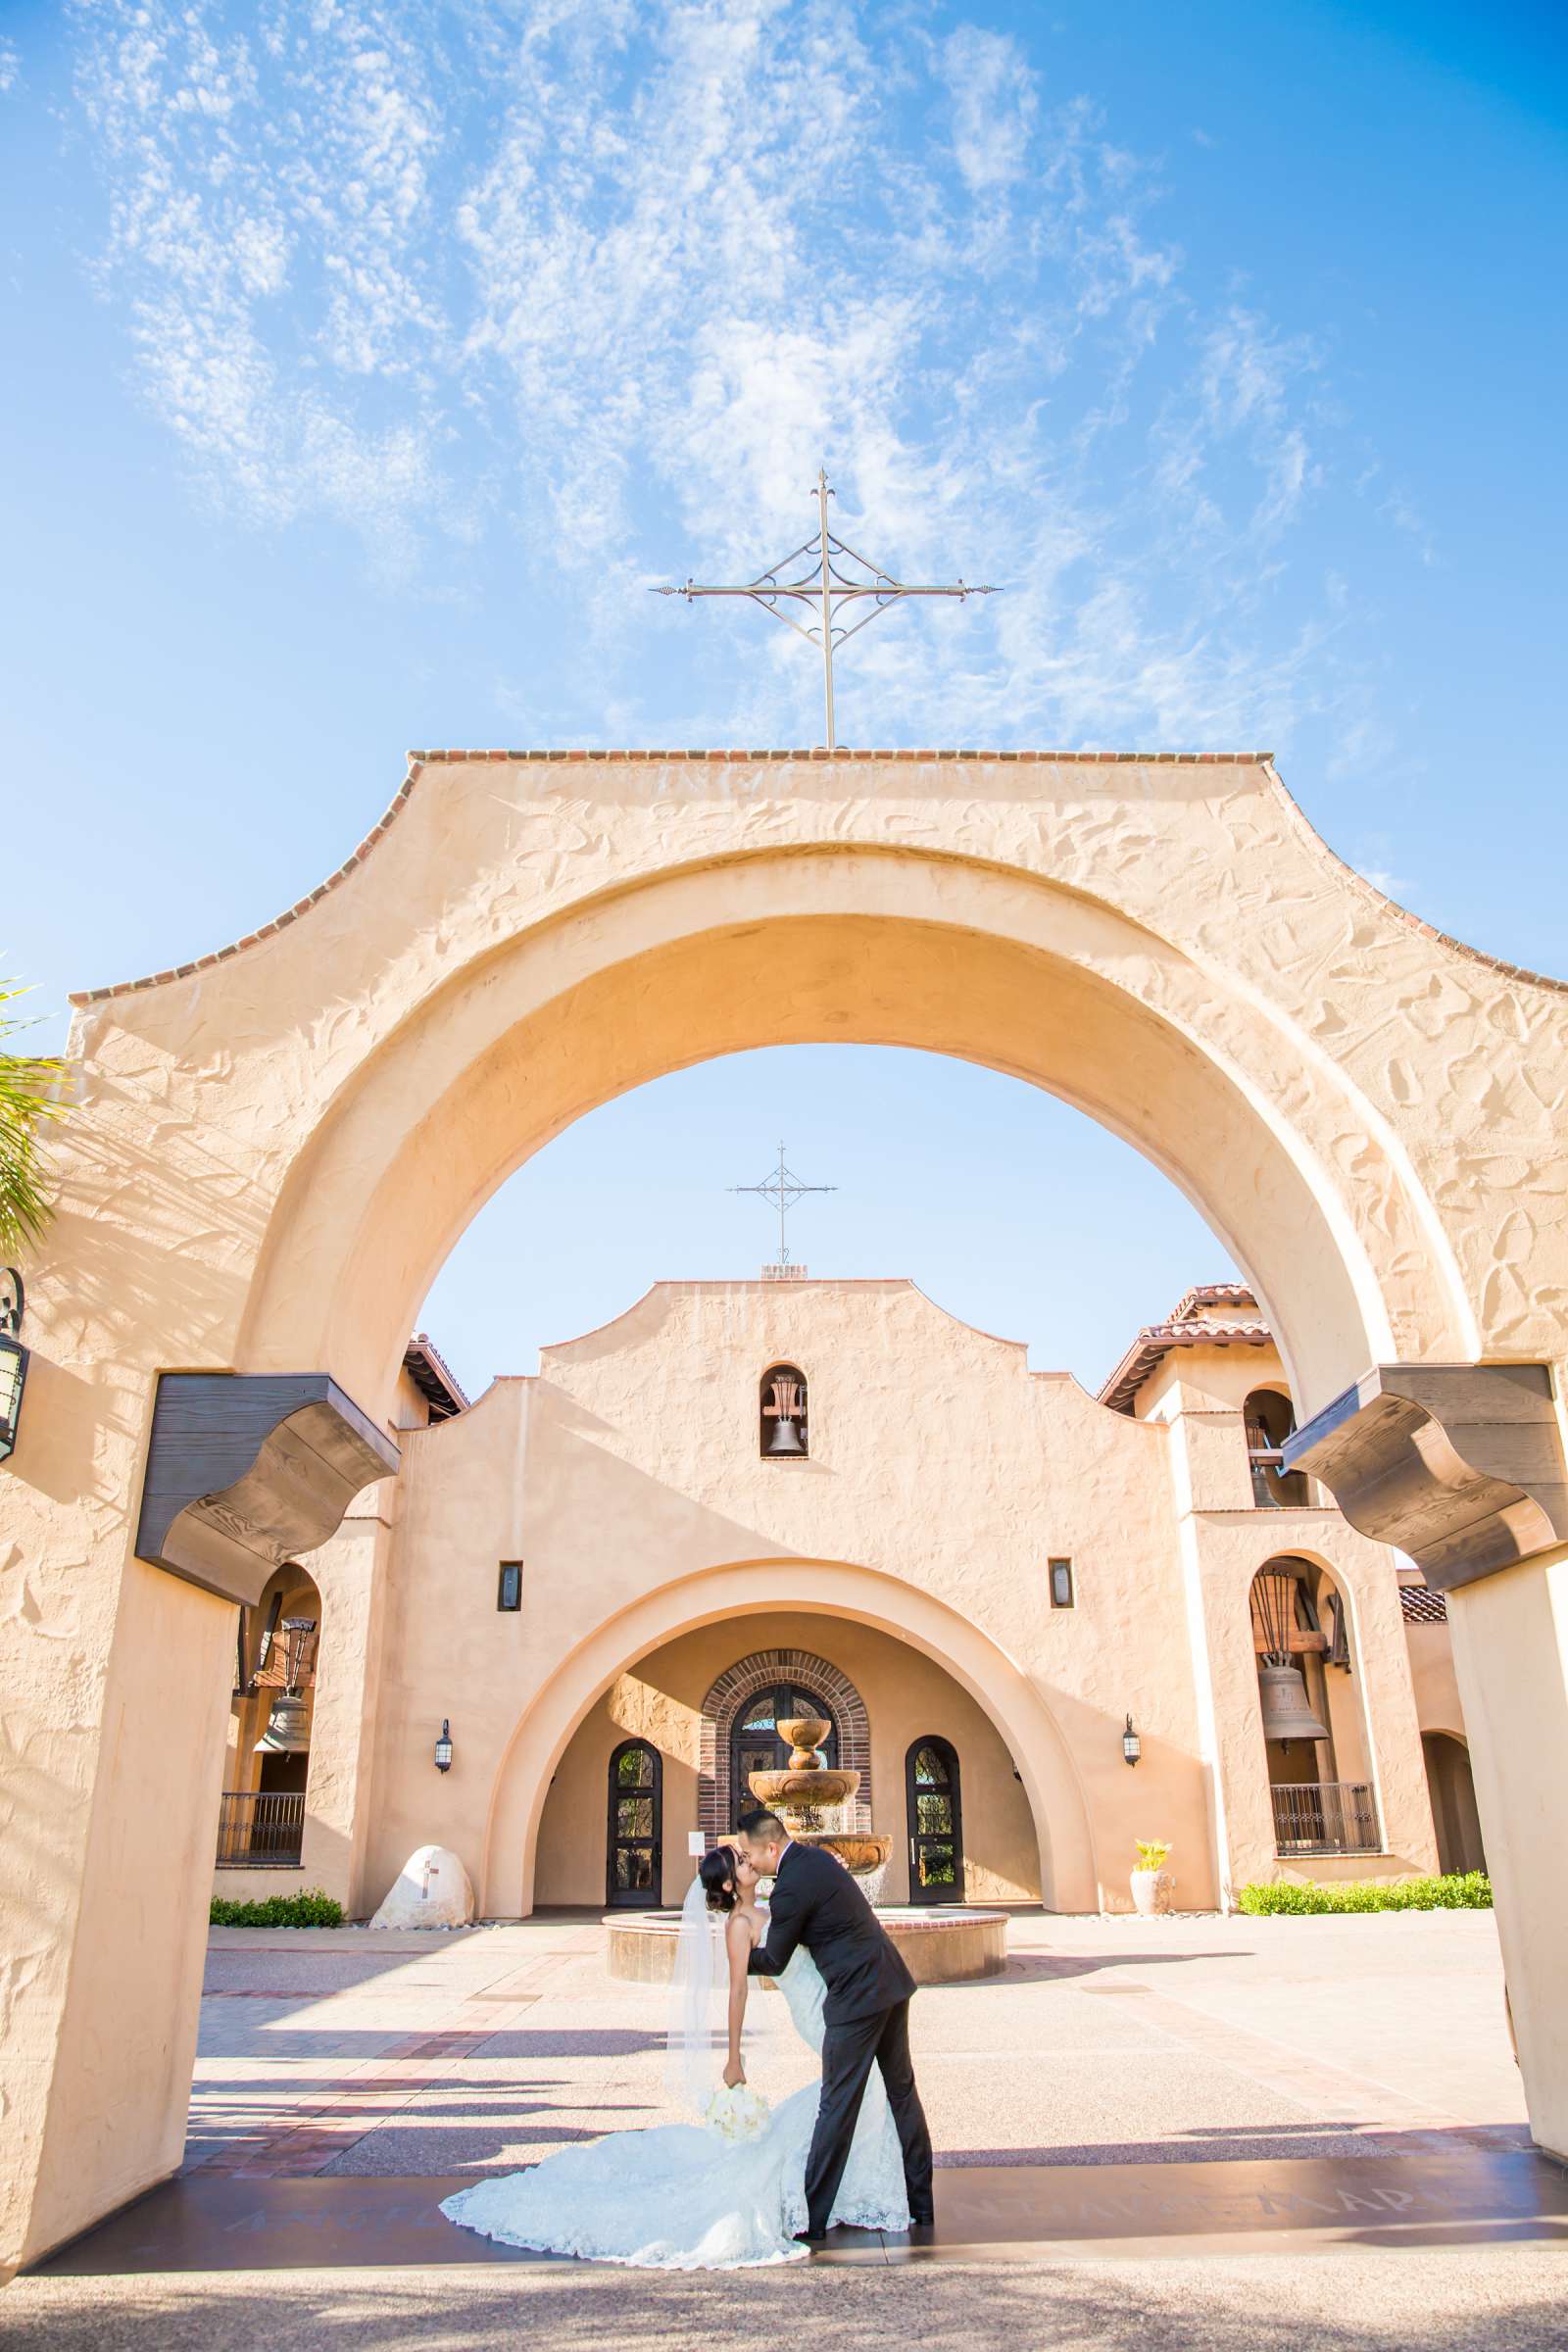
(716, 1872)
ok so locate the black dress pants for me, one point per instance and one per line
(848, 2052)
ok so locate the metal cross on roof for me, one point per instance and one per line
(827, 576)
(783, 1188)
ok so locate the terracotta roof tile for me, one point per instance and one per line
(1156, 1341)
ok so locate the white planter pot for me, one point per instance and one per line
(1154, 1891)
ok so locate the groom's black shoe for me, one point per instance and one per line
(810, 2238)
(923, 2218)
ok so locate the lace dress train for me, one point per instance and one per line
(682, 2197)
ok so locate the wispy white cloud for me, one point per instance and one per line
(654, 263)
(994, 106)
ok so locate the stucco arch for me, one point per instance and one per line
(1068, 1873)
(955, 957)
(273, 1147)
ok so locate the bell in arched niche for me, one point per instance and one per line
(288, 1725)
(1281, 1685)
(784, 1412)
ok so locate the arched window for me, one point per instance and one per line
(262, 1818)
(1269, 1421)
(782, 1418)
(1312, 1729)
(757, 1743)
(636, 1825)
(936, 1822)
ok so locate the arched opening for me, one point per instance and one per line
(1269, 1419)
(933, 1802)
(784, 1432)
(271, 1711)
(1315, 1728)
(1020, 978)
(635, 1825)
(1452, 1791)
(656, 1788)
(647, 1677)
(739, 1733)
(526, 942)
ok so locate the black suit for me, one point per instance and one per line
(867, 2016)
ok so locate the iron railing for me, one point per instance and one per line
(1325, 1817)
(260, 1829)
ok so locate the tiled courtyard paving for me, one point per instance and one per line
(1339, 2095)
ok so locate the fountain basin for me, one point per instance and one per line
(938, 1946)
(801, 1789)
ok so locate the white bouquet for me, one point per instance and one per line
(740, 2113)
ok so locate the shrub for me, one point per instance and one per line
(1469, 1891)
(310, 1908)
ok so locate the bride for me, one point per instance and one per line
(703, 2197)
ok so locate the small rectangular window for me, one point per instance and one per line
(508, 1593)
(1061, 1584)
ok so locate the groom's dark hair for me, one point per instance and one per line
(763, 1825)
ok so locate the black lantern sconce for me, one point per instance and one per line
(443, 1747)
(13, 1358)
(1132, 1747)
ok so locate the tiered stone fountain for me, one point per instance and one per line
(810, 1787)
(940, 1945)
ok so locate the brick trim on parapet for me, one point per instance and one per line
(419, 760)
(717, 1803)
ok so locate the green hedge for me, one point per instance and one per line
(1470, 1892)
(310, 1908)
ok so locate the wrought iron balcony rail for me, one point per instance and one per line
(1325, 1817)
(260, 1829)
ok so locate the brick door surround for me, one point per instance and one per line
(717, 1803)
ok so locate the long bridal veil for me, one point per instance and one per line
(697, 2038)
(696, 2041)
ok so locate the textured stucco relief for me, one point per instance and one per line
(446, 1045)
(481, 851)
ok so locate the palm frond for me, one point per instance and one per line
(28, 1097)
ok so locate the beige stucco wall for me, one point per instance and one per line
(273, 1149)
(631, 1466)
(1435, 1680)
(628, 1473)
(906, 1696)
(1198, 1393)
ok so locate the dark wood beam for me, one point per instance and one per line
(247, 1470)
(1459, 1465)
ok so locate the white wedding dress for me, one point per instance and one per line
(683, 2197)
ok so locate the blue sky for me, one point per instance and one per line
(367, 363)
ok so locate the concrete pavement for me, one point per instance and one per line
(1339, 2093)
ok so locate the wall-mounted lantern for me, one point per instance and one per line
(443, 1747)
(1132, 1747)
(13, 1358)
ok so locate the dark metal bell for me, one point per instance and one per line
(1287, 1714)
(288, 1728)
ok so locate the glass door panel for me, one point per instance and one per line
(935, 1822)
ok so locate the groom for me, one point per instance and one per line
(866, 2011)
